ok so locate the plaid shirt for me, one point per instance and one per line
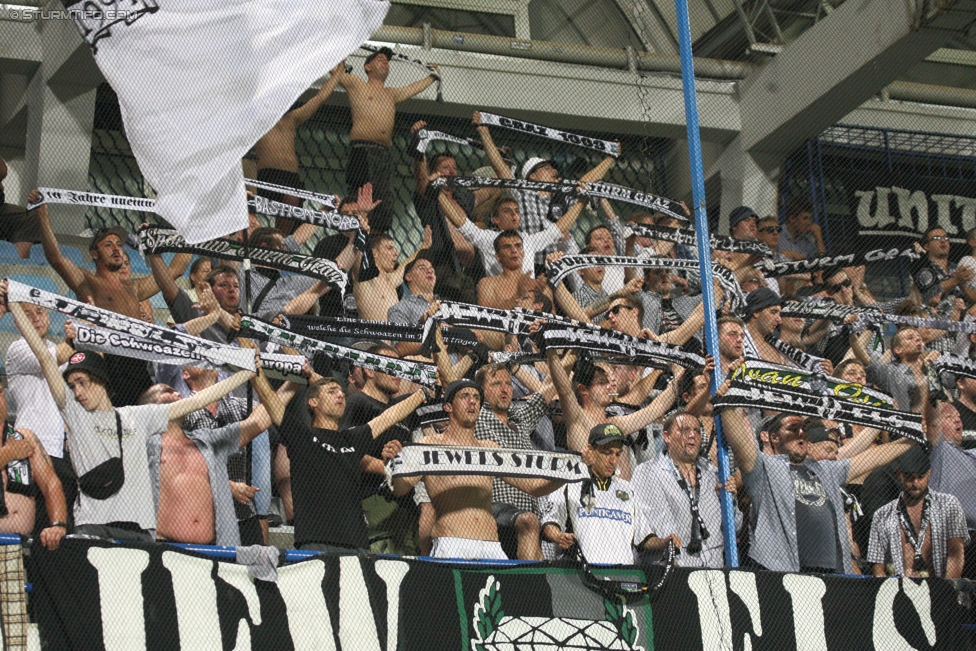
(534, 208)
(523, 416)
(13, 599)
(946, 520)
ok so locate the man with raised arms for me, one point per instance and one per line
(377, 293)
(503, 291)
(373, 109)
(465, 526)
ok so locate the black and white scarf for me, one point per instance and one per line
(281, 366)
(220, 355)
(651, 202)
(424, 137)
(79, 198)
(801, 358)
(915, 538)
(802, 403)
(757, 371)
(514, 358)
(160, 240)
(334, 220)
(421, 460)
(634, 351)
(958, 366)
(775, 269)
(873, 318)
(330, 201)
(608, 147)
(428, 414)
(431, 70)
(326, 326)
(822, 309)
(688, 238)
(699, 532)
(418, 372)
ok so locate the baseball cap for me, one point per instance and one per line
(739, 214)
(457, 385)
(606, 433)
(91, 363)
(534, 163)
(102, 233)
(384, 51)
(915, 461)
(760, 299)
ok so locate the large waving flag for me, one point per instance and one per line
(200, 82)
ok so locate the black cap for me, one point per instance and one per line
(457, 385)
(606, 433)
(102, 233)
(915, 461)
(384, 51)
(741, 213)
(92, 363)
(760, 299)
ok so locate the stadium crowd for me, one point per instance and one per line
(119, 448)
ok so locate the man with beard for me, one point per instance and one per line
(373, 109)
(731, 335)
(797, 522)
(107, 289)
(465, 526)
(922, 533)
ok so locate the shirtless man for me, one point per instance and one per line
(373, 111)
(503, 291)
(16, 503)
(275, 151)
(109, 288)
(194, 499)
(375, 296)
(465, 526)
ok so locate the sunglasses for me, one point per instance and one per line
(833, 289)
(771, 229)
(615, 310)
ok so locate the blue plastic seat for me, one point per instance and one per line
(9, 254)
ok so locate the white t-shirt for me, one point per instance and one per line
(36, 409)
(484, 241)
(93, 439)
(970, 263)
(606, 533)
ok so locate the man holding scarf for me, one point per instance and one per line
(922, 533)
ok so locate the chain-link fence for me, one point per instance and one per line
(537, 461)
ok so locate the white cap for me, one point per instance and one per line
(533, 163)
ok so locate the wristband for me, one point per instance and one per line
(58, 523)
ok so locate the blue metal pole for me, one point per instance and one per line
(705, 261)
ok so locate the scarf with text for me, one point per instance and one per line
(423, 374)
(687, 238)
(160, 240)
(326, 326)
(330, 201)
(802, 359)
(424, 137)
(419, 460)
(915, 538)
(871, 318)
(431, 70)
(219, 355)
(652, 202)
(757, 371)
(958, 366)
(776, 269)
(608, 147)
(822, 309)
(79, 198)
(281, 366)
(641, 352)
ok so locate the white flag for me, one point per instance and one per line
(200, 82)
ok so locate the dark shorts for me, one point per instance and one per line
(334, 550)
(505, 514)
(278, 177)
(371, 162)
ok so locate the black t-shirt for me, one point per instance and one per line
(360, 409)
(816, 527)
(430, 213)
(325, 476)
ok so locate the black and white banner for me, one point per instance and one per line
(79, 198)
(821, 309)
(758, 371)
(608, 147)
(772, 269)
(160, 240)
(635, 351)
(219, 355)
(423, 374)
(420, 460)
(688, 238)
(431, 70)
(424, 137)
(779, 398)
(330, 201)
(958, 366)
(96, 595)
(335, 221)
(325, 326)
